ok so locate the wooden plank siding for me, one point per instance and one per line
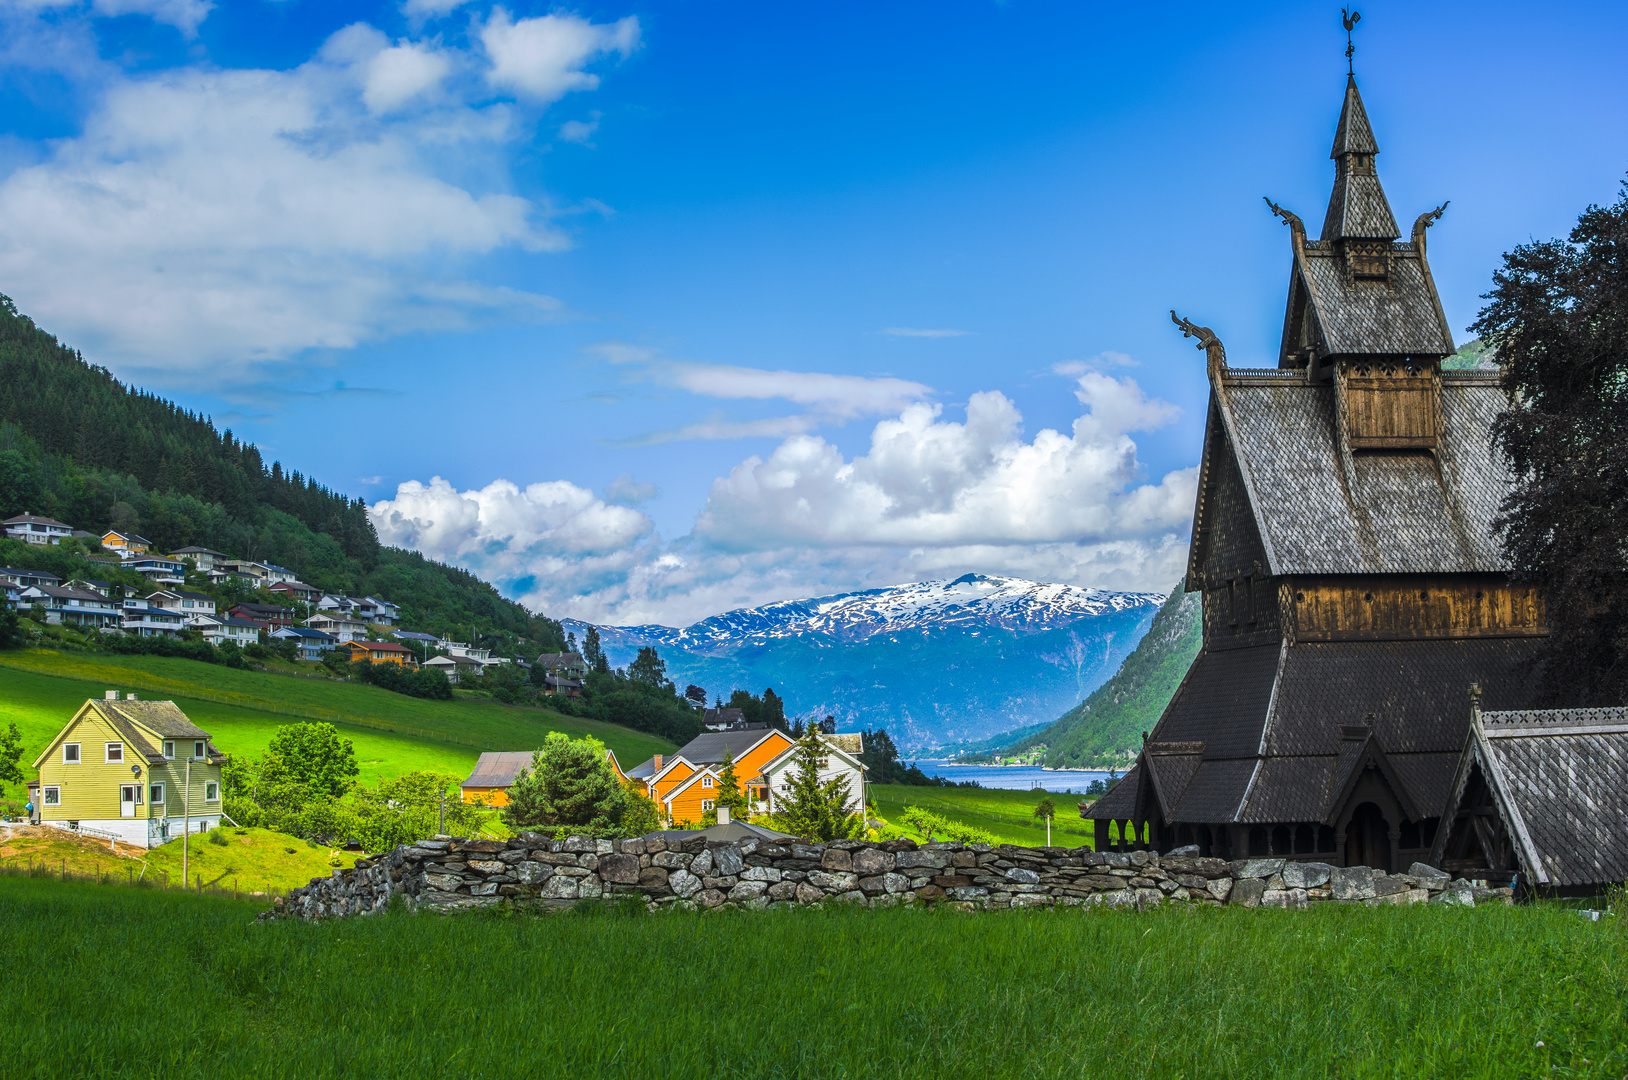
(1409, 608)
(491, 796)
(90, 788)
(1386, 408)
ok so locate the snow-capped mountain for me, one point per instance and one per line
(931, 661)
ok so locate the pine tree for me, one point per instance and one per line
(813, 809)
(729, 785)
(592, 654)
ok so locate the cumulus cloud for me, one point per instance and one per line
(207, 221)
(542, 58)
(932, 497)
(430, 9)
(579, 131)
(184, 15)
(911, 331)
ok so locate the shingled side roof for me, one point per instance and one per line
(1560, 779)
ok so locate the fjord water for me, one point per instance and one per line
(1013, 778)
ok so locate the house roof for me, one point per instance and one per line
(286, 632)
(723, 716)
(43, 575)
(380, 646)
(1357, 208)
(1559, 778)
(58, 592)
(195, 550)
(497, 768)
(181, 594)
(560, 659)
(162, 717)
(30, 519)
(410, 635)
(264, 609)
(334, 617)
(734, 831)
(708, 747)
(293, 586)
(127, 536)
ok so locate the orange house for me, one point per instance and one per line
(685, 786)
(380, 652)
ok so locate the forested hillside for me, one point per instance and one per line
(80, 446)
(1103, 728)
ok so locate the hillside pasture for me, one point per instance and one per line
(1007, 814)
(393, 734)
(1338, 991)
(251, 860)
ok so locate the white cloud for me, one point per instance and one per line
(208, 221)
(184, 15)
(420, 10)
(579, 131)
(911, 331)
(932, 497)
(541, 59)
(399, 74)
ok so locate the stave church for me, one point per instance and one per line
(1352, 588)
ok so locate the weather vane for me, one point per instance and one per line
(1350, 17)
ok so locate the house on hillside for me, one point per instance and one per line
(158, 570)
(217, 629)
(684, 786)
(337, 625)
(141, 619)
(207, 560)
(136, 770)
(31, 529)
(1352, 584)
(495, 772)
(11, 575)
(309, 644)
(183, 601)
(296, 590)
(723, 719)
(456, 668)
(264, 573)
(79, 608)
(266, 616)
(125, 545)
(95, 585)
(379, 652)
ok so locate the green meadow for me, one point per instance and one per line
(393, 734)
(1008, 815)
(1337, 991)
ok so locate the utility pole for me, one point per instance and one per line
(441, 817)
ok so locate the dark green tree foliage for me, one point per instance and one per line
(570, 784)
(11, 753)
(880, 757)
(592, 654)
(729, 785)
(650, 669)
(424, 683)
(769, 709)
(11, 636)
(310, 756)
(1558, 320)
(814, 809)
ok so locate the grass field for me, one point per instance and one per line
(1424, 991)
(251, 860)
(1006, 814)
(40, 689)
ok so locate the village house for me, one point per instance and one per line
(296, 590)
(685, 785)
(264, 573)
(141, 619)
(723, 719)
(337, 625)
(139, 771)
(1352, 585)
(222, 628)
(563, 673)
(78, 608)
(124, 544)
(158, 570)
(11, 575)
(37, 530)
(456, 668)
(309, 644)
(495, 771)
(379, 652)
(206, 560)
(95, 585)
(266, 616)
(187, 603)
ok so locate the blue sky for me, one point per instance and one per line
(645, 312)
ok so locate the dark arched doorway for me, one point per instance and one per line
(1368, 839)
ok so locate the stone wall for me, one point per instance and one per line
(533, 871)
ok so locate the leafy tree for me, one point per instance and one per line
(816, 809)
(570, 783)
(11, 635)
(19, 484)
(695, 694)
(640, 816)
(729, 786)
(11, 752)
(1046, 810)
(311, 756)
(592, 654)
(1558, 320)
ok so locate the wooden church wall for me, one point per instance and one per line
(1409, 607)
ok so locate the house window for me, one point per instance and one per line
(708, 804)
(211, 792)
(70, 753)
(169, 748)
(197, 749)
(53, 796)
(115, 752)
(706, 781)
(156, 795)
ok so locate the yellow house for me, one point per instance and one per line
(126, 544)
(139, 771)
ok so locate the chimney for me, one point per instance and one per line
(131, 696)
(111, 695)
(658, 764)
(723, 815)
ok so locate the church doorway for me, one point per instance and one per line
(1368, 839)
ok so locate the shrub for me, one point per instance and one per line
(570, 784)
(218, 837)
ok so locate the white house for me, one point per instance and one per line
(158, 570)
(219, 628)
(312, 644)
(205, 559)
(842, 759)
(11, 575)
(265, 573)
(37, 530)
(455, 668)
(140, 618)
(338, 625)
(187, 603)
(71, 607)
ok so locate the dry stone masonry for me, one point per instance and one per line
(532, 871)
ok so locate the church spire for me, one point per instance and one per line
(1357, 208)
